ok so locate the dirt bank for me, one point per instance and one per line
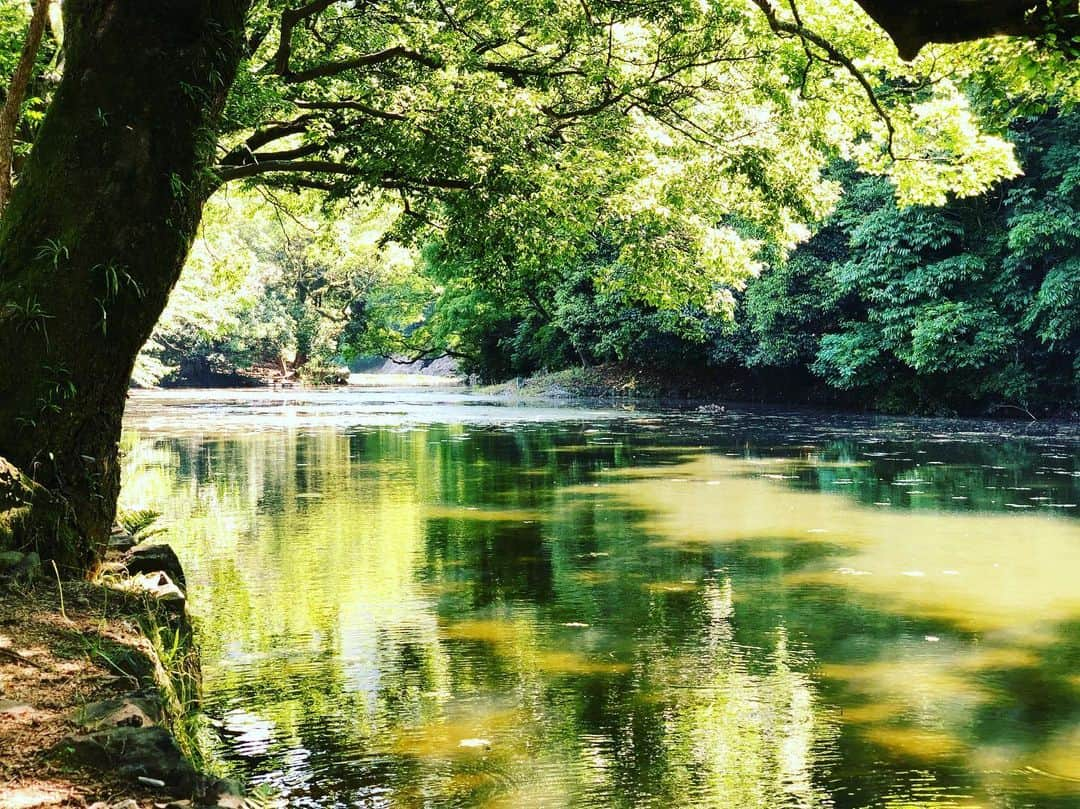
(98, 691)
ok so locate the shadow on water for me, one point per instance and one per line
(595, 609)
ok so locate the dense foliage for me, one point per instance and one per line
(272, 289)
(653, 153)
(968, 306)
(972, 303)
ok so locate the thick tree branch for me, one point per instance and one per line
(290, 18)
(303, 167)
(307, 150)
(367, 60)
(242, 153)
(358, 106)
(913, 25)
(230, 173)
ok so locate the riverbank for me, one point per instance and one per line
(605, 382)
(711, 393)
(99, 689)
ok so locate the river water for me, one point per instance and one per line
(433, 599)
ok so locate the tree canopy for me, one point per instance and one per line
(520, 136)
(687, 137)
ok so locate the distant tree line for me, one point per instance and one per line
(967, 307)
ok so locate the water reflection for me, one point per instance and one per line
(750, 610)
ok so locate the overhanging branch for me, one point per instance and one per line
(358, 106)
(290, 18)
(913, 25)
(797, 29)
(367, 60)
(242, 153)
(321, 167)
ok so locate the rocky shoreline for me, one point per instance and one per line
(99, 685)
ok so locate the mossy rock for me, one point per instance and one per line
(33, 519)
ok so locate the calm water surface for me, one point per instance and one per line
(431, 599)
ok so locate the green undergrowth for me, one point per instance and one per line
(166, 659)
(178, 677)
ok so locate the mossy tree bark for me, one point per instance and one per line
(95, 235)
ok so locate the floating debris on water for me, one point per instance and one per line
(475, 743)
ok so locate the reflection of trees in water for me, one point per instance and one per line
(339, 575)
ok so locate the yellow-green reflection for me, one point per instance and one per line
(1003, 587)
(583, 614)
(980, 572)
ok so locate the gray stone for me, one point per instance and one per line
(135, 710)
(153, 558)
(120, 540)
(130, 803)
(132, 752)
(158, 585)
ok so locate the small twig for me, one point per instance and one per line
(60, 587)
(18, 658)
(1023, 410)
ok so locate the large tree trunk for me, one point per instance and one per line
(95, 236)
